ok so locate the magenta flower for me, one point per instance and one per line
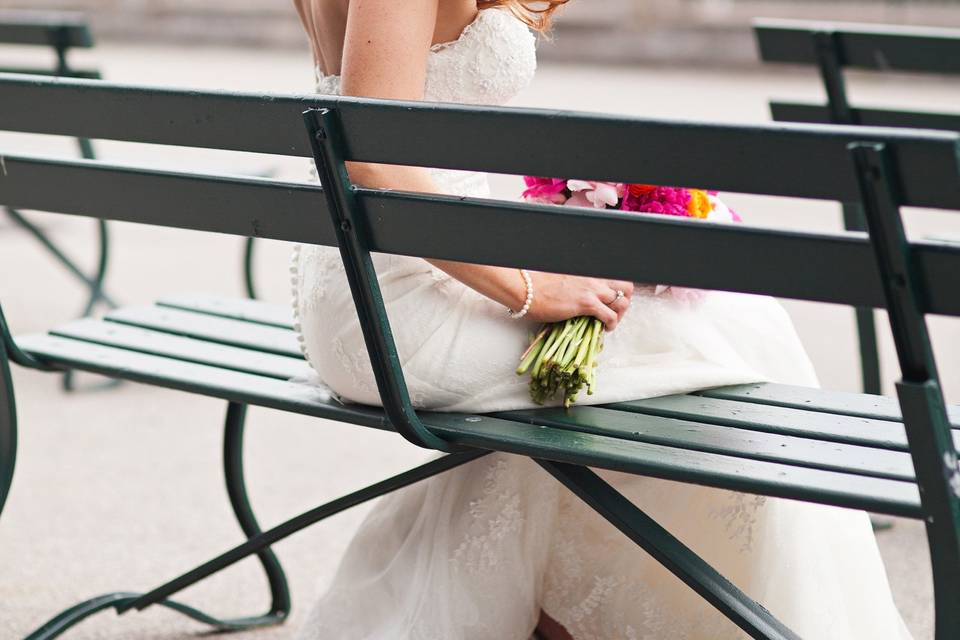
(670, 201)
(589, 193)
(547, 190)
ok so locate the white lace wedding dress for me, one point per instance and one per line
(474, 554)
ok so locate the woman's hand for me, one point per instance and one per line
(557, 297)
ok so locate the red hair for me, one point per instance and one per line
(535, 13)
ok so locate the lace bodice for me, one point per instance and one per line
(492, 60)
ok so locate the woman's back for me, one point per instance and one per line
(326, 22)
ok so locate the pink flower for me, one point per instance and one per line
(670, 201)
(587, 193)
(547, 190)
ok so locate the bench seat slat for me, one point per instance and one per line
(839, 402)
(807, 422)
(641, 458)
(275, 315)
(828, 487)
(742, 443)
(88, 74)
(216, 382)
(212, 328)
(691, 433)
(182, 348)
(852, 418)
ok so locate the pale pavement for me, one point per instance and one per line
(120, 489)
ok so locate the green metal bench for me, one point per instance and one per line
(59, 32)
(832, 47)
(851, 450)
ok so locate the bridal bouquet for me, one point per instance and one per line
(562, 356)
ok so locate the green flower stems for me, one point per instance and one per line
(562, 357)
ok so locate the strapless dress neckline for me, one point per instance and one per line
(492, 59)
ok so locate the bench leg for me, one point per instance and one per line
(248, 251)
(237, 492)
(680, 560)
(8, 424)
(258, 543)
(300, 522)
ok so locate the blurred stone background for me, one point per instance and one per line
(714, 32)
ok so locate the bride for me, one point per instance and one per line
(496, 549)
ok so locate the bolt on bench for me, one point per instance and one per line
(850, 450)
(832, 47)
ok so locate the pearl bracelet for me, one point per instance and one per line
(516, 315)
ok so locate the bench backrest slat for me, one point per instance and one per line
(473, 230)
(799, 160)
(235, 205)
(753, 159)
(834, 47)
(863, 46)
(810, 113)
(51, 29)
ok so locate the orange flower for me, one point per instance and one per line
(699, 206)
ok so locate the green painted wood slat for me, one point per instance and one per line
(841, 402)
(89, 74)
(245, 309)
(862, 46)
(240, 205)
(252, 336)
(602, 421)
(473, 230)
(826, 487)
(44, 28)
(801, 411)
(235, 358)
(761, 439)
(503, 140)
(727, 440)
(812, 113)
(810, 421)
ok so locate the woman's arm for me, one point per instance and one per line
(385, 56)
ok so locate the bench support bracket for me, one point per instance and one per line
(350, 227)
(921, 399)
(827, 49)
(676, 557)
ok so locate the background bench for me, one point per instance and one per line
(831, 48)
(60, 33)
(850, 450)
